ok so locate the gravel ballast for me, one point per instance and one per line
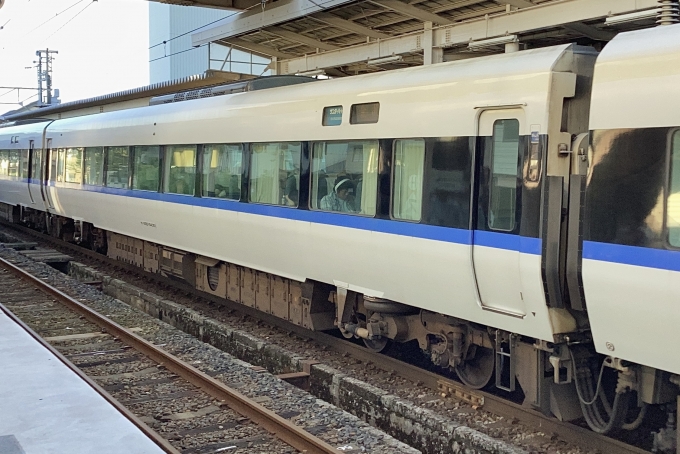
(324, 420)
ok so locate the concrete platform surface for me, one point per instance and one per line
(45, 408)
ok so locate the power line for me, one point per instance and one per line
(202, 26)
(69, 21)
(180, 52)
(61, 12)
(7, 92)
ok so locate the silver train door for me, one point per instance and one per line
(31, 159)
(49, 162)
(496, 240)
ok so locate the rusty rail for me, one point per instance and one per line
(267, 419)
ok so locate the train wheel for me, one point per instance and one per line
(377, 345)
(477, 369)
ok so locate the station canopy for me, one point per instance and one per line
(348, 37)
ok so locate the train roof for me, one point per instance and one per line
(443, 98)
(17, 136)
(637, 80)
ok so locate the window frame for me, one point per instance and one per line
(134, 149)
(107, 153)
(327, 108)
(312, 146)
(2, 152)
(668, 184)
(393, 180)
(166, 163)
(518, 177)
(352, 114)
(249, 164)
(61, 162)
(244, 165)
(103, 165)
(38, 168)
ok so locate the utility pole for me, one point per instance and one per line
(45, 75)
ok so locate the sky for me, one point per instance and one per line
(103, 47)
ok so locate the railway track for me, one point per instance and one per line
(439, 384)
(116, 361)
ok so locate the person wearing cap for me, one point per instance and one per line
(339, 199)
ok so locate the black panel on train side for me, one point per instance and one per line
(625, 187)
(447, 180)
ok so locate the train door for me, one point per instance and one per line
(49, 162)
(496, 241)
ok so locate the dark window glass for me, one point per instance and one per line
(117, 167)
(275, 173)
(37, 162)
(94, 166)
(332, 116)
(407, 192)
(345, 176)
(146, 172)
(364, 113)
(447, 185)
(222, 166)
(504, 175)
(180, 169)
(673, 204)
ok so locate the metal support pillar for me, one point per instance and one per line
(431, 54)
(45, 75)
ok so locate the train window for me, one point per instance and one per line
(504, 175)
(117, 167)
(74, 165)
(275, 173)
(222, 166)
(37, 161)
(4, 163)
(364, 113)
(13, 164)
(673, 203)
(345, 176)
(408, 165)
(447, 184)
(94, 166)
(332, 116)
(61, 159)
(146, 173)
(53, 155)
(180, 169)
(24, 164)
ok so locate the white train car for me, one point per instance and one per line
(456, 204)
(20, 166)
(631, 247)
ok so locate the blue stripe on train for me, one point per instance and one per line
(510, 242)
(632, 255)
(431, 232)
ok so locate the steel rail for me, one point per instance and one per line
(285, 430)
(141, 425)
(568, 432)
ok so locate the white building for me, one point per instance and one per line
(171, 55)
